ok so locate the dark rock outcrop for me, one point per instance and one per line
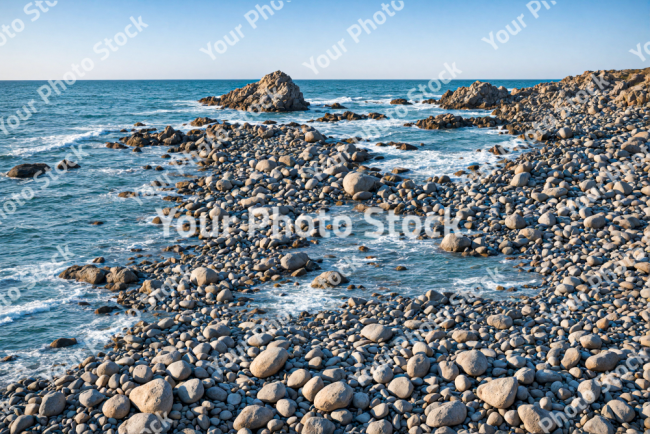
(28, 170)
(275, 92)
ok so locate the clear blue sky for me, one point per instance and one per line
(567, 39)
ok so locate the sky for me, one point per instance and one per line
(181, 40)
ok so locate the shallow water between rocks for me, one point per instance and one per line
(51, 231)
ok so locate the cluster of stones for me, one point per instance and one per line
(480, 95)
(348, 116)
(575, 354)
(448, 121)
(275, 92)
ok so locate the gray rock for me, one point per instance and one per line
(91, 398)
(473, 362)
(253, 417)
(500, 392)
(447, 414)
(155, 397)
(269, 362)
(117, 407)
(53, 404)
(377, 333)
(272, 392)
(334, 396)
(190, 391)
(143, 423)
(318, 425)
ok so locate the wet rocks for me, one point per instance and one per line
(201, 122)
(203, 276)
(87, 273)
(479, 95)
(67, 165)
(63, 342)
(329, 279)
(275, 92)
(294, 261)
(28, 170)
(449, 121)
(356, 182)
(455, 243)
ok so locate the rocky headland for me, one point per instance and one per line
(275, 92)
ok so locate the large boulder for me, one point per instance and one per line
(53, 404)
(154, 397)
(269, 362)
(204, 276)
(294, 261)
(275, 92)
(88, 273)
(480, 95)
(253, 417)
(336, 395)
(602, 362)
(318, 425)
(117, 407)
(500, 392)
(473, 362)
(90, 398)
(190, 391)
(536, 420)
(447, 414)
(63, 342)
(28, 170)
(520, 179)
(22, 423)
(313, 136)
(355, 182)
(329, 279)
(377, 333)
(455, 243)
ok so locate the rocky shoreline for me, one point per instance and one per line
(571, 359)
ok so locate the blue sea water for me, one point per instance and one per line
(45, 225)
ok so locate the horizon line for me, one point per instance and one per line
(296, 79)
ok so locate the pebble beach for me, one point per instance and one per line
(564, 210)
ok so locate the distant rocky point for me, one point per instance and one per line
(480, 95)
(275, 92)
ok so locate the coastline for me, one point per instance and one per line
(449, 345)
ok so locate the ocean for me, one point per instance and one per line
(50, 224)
